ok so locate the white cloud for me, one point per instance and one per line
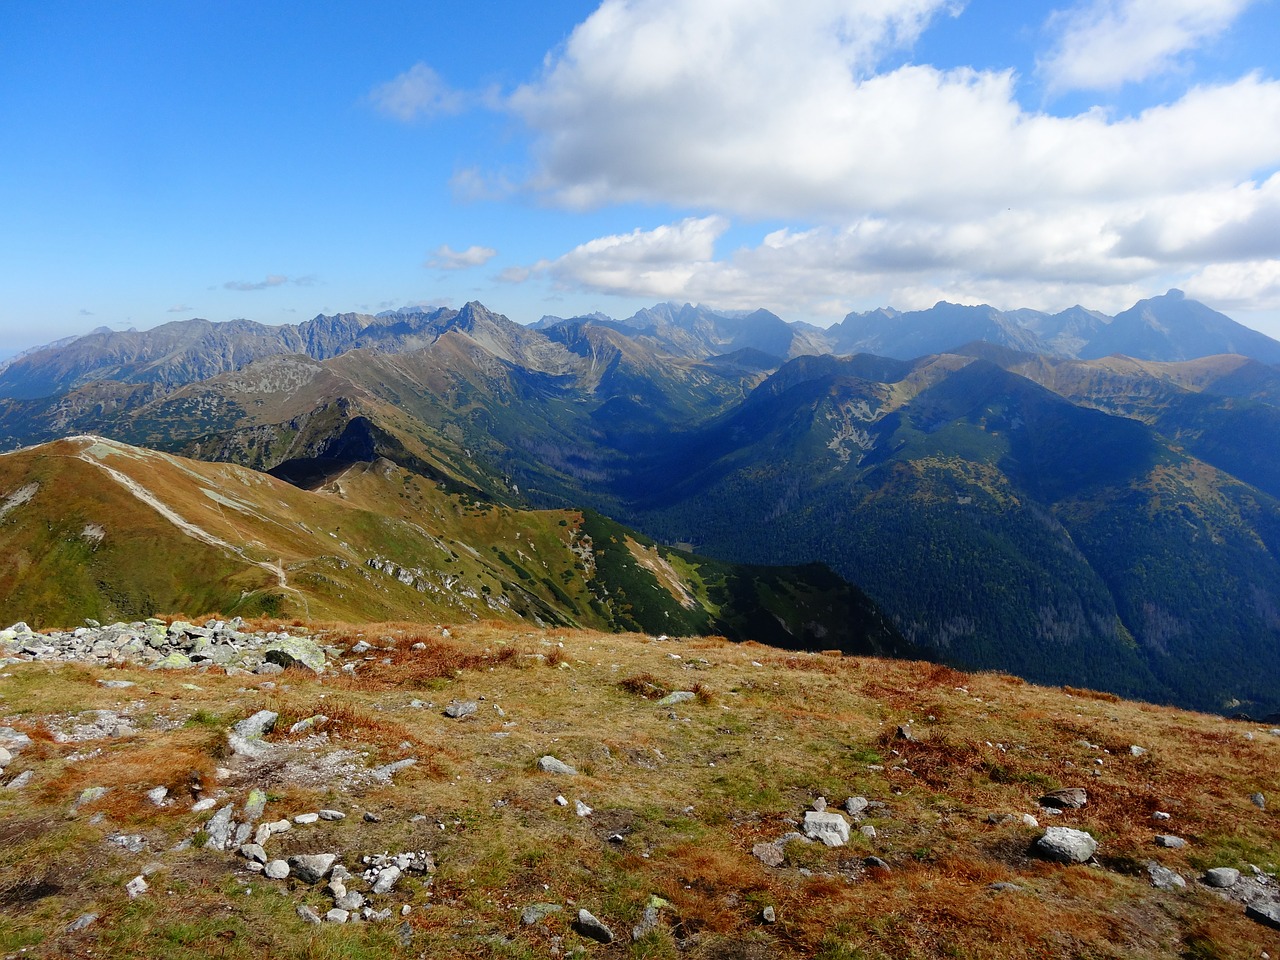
(418, 92)
(653, 263)
(1106, 43)
(902, 182)
(1246, 285)
(446, 258)
(179, 308)
(271, 280)
(777, 111)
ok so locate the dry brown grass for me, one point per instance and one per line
(689, 791)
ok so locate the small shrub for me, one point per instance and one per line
(645, 685)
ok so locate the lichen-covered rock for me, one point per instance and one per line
(288, 651)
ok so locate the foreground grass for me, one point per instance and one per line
(679, 795)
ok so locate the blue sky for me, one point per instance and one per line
(167, 160)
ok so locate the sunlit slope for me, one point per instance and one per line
(96, 528)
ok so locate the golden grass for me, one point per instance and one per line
(689, 790)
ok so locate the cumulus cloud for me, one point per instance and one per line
(271, 280)
(446, 258)
(654, 263)
(903, 181)
(1106, 43)
(179, 308)
(777, 111)
(416, 93)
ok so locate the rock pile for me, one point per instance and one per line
(166, 646)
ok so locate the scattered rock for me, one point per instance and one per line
(461, 708)
(581, 809)
(277, 869)
(904, 733)
(311, 867)
(306, 914)
(1160, 815)
(1069, 798)
(80, 922)
(678, 696)
(1136, 751)
(1265, 912)
(537, 912)
(550, 764)
(308, 724)
(116, 684)
(219, 828)
(136, 887)
(129, 842)
(387, 770)
(1169, 841)
(874, 863)
(386, 879)
(1066, 845)
(289, 651)
(332, 815)
(649, 921)
(255, 805)
(338, 915)
(1259, 801)
(589, 926)
(770, 854)
(1162, 878)
(1222, 877)
(253, 851)
(831, 828)
(868, 831)
(157, 795)
(350, 900)
(305, 818)
(854, 806)
(769, 915)
(20, 781)
(820, 804)
(1003, 886)
(258, 725)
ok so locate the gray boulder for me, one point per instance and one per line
(1222, 877)
(311, 867)
(1266, 912)
(537, 912)
(461, 708)
(1066, 845)
(1162, 878)
(1169, 841)
(288, 651)
(550, 764)
(589, 926)
(831, 828)
(1069, 798)
(256, 726)
(277, 869)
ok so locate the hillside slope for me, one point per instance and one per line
(94, 528)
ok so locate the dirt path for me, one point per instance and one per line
(276, 569)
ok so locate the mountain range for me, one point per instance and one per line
(1075, 498)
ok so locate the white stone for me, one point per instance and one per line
(1066, 845)
(831, 828)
